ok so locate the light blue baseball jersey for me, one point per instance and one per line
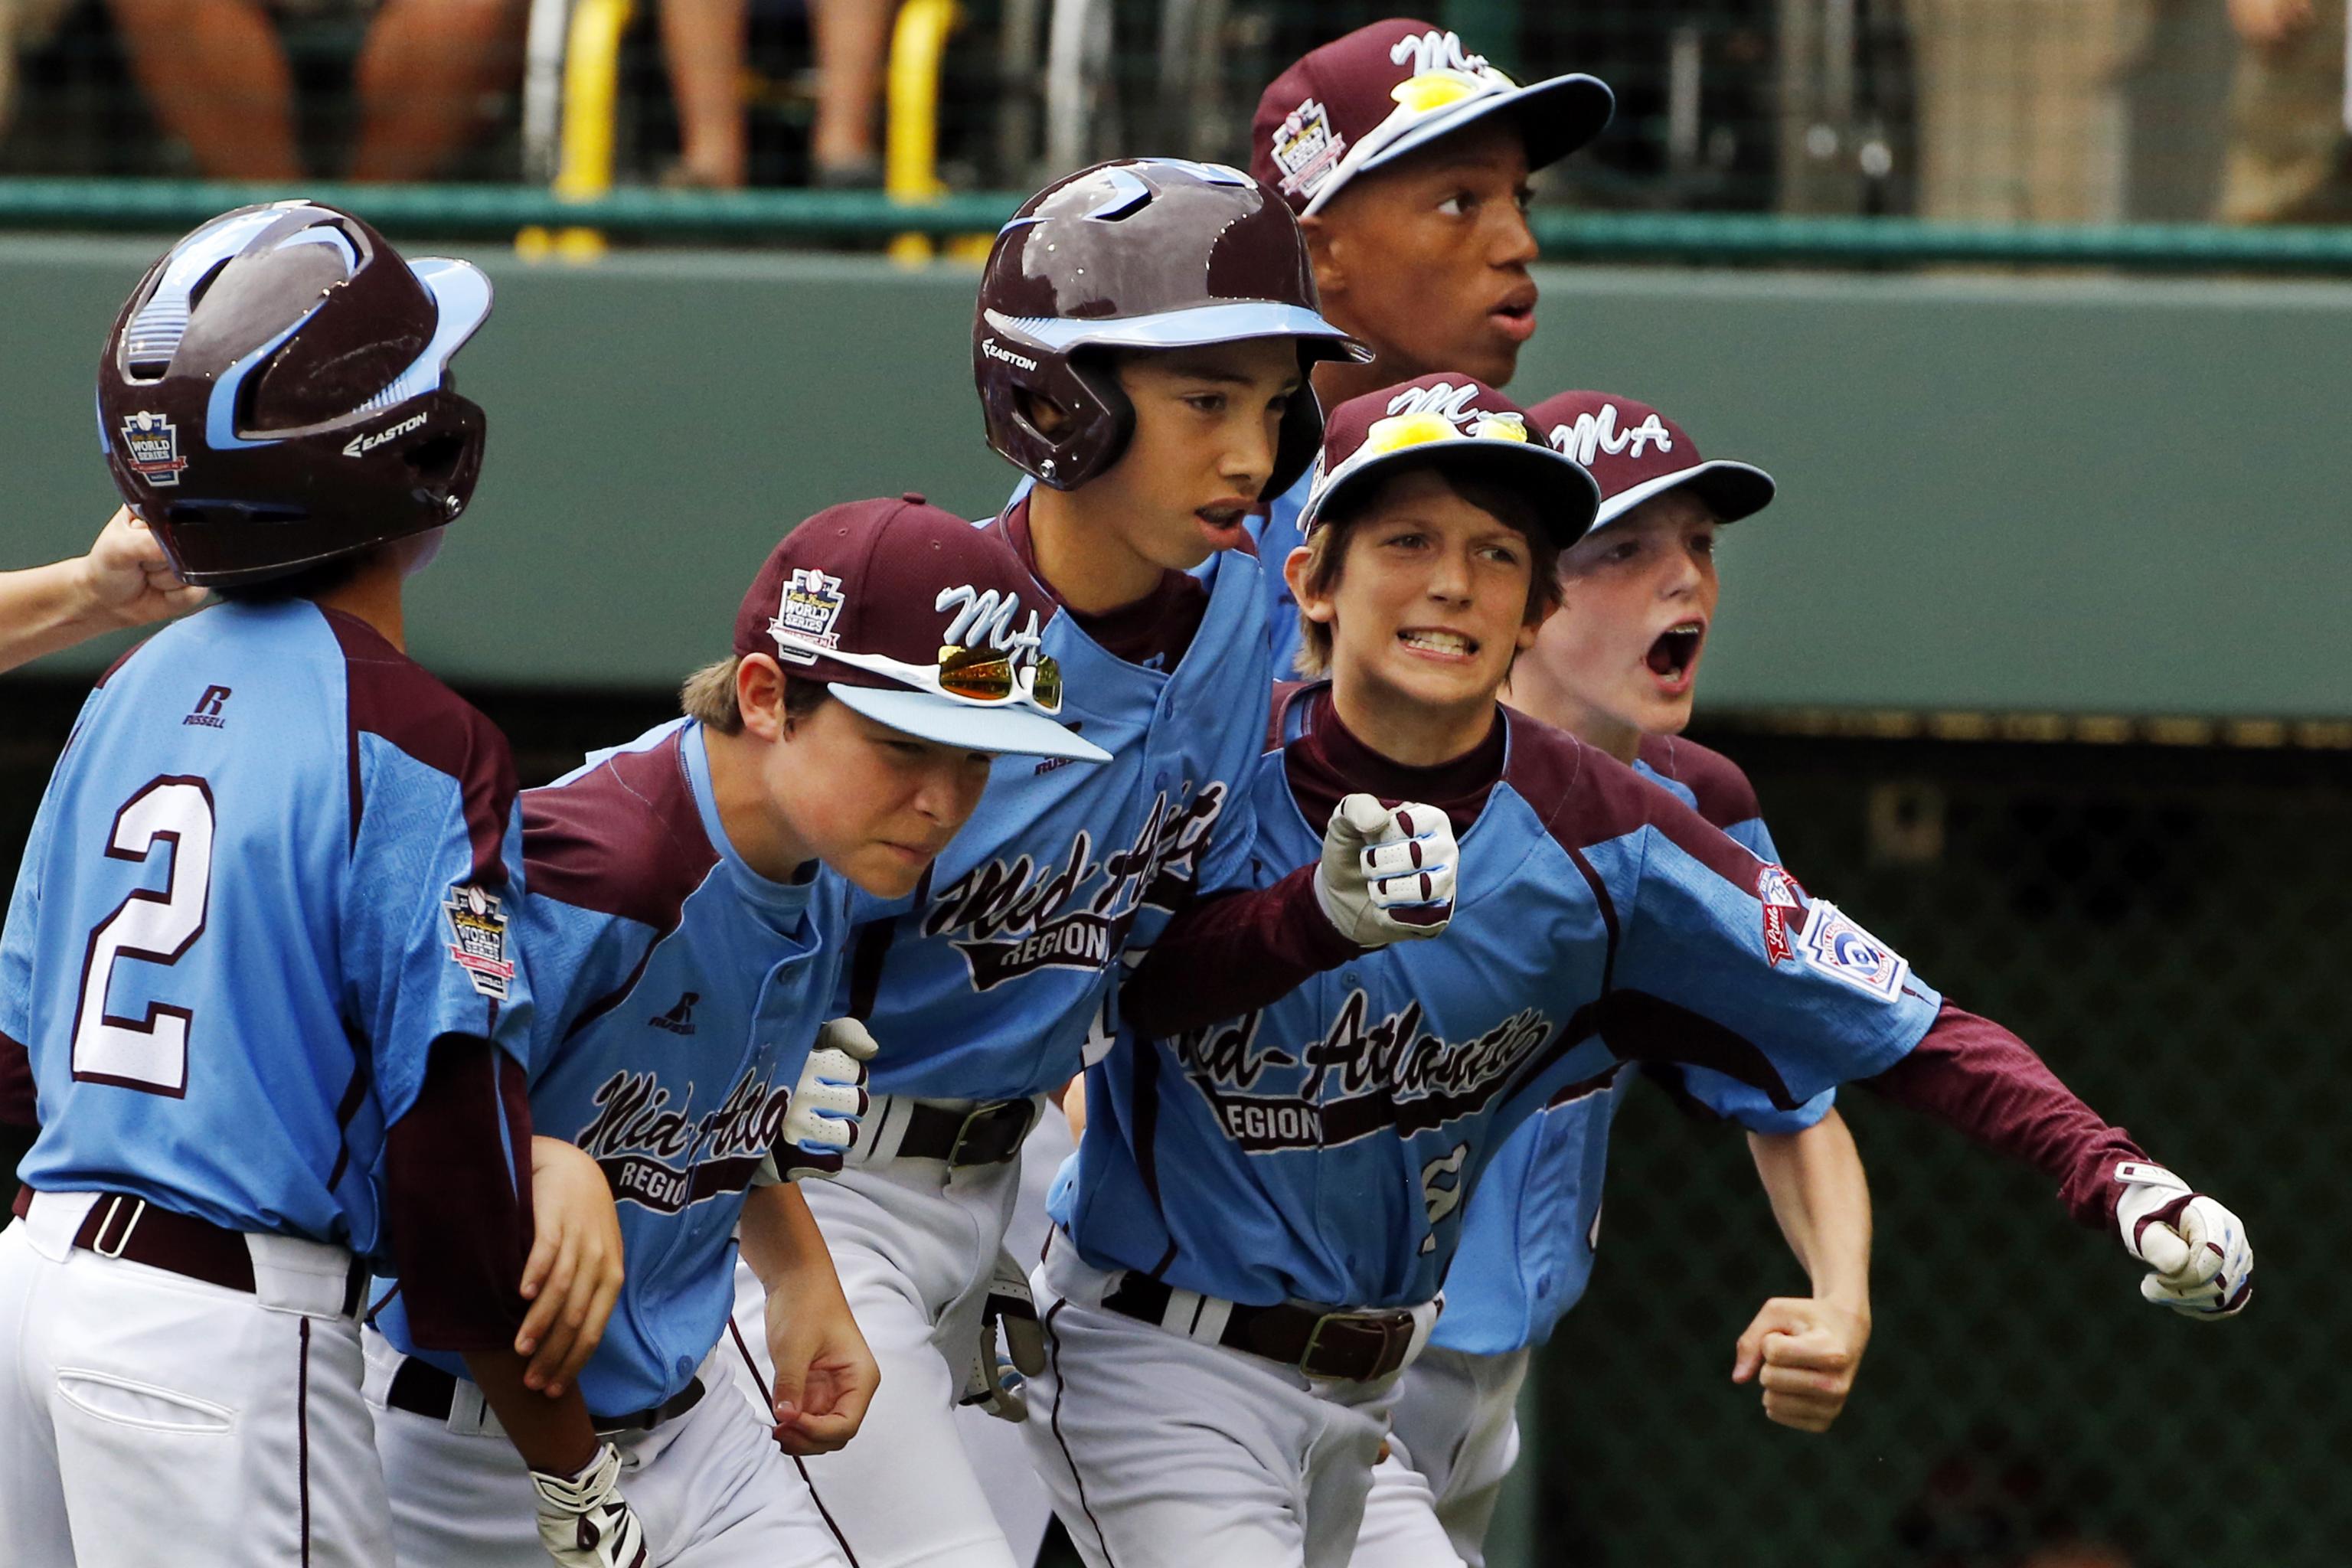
(1528, 1238)
(1323, 1148)
(680, 992)
(275, 864)
(989, 982)
(1276, 535)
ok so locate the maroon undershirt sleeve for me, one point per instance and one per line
(1972, 1074)
(1233, 954)
(457, 1198)
(19, 1107)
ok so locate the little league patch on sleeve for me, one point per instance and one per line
(477, 940)
(1833, 945)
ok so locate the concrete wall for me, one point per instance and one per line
(2025, 494)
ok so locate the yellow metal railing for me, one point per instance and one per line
(910, 157)
(592, 89)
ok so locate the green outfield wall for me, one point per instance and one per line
(2012, 494)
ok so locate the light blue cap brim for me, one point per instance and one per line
(1004, 728)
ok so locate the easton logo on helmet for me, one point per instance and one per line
(1593, 434)
(360, 446)
(989, 347)
(811, 603)
(154, 443)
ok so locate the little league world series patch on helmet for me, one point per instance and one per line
(1456, 422)
(918, 620)
(1636, 454)
(276, 393)
(1139, 253)
(1387, 89)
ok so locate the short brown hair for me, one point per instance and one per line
(1326, 549)
(708, 696)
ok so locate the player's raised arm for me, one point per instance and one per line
(123, 580)
(1806, 999)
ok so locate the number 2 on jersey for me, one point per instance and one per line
(149, 1053)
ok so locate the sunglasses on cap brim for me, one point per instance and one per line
(979, 676)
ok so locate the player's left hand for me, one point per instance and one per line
(826, 1375)
(996, 1382)
(1804, 1351)
(820, 1124)
(127, 578)
(573, 1273)
(2200, 1260)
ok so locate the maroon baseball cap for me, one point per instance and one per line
(898, 607)
(1382, 91)
(1634, 452)
(1456, 421)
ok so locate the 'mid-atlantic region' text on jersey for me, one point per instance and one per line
(681, 992)
(275, 863)
(1323, 1148)
(987, 983)
(1528, 1236)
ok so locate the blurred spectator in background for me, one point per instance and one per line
(2021, 108)
(2289, 111)
(24, 24)
(217, 76)
(705, 42)
(853, 40)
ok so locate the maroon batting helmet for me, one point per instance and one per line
(276, 393)
(1144, 253)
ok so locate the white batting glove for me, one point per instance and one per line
(821, 1122)
(583, 1520)
(1388, 872)
(996, 1382)
(2200, 1260)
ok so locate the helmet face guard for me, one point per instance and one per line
(276, 393)
(1137, 255)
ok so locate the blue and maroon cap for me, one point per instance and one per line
(1387, 89)
(918, 620)
(1456, 421)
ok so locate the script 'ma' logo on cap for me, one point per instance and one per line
(1455, 406)
(805, 612)
(1593, 434)
(1306, 149)
(986, 618)
(1442, 53)
(151, 446)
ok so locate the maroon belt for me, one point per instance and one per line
(1358, 1347)
(136, 1231)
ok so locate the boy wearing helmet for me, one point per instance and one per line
(1142, 341)
(258, 953)
(687, 925)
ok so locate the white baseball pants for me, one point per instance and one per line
(711, 1487)
(915, 1243)
(1162, 1452)
(1455, 1435)
(146, 1417)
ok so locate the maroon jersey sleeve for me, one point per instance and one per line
(1973, 1074)
(1232, 955)
(17, 1105)
(457, 1195)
